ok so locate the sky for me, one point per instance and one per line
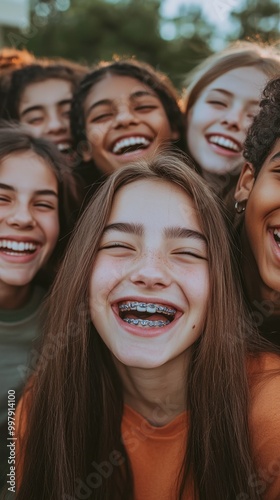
(216, 11)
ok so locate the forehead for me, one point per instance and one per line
(248, 81)
(36, 170)
(47, 92)
(115, 87)
(273, 158)
(154, 203)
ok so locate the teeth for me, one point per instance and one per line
(276, 233)
(146, 322)
(226, 143)
(63, 146)
(18, 246)
(130, 141)
(151, 308)
(143, 307)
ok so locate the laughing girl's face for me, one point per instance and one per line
(149, 285)
(261, 233)
(125, 120)
(219, 119)
(29, 221)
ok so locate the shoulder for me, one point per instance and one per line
(264, 383)
(264, 422)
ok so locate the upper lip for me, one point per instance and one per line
(60, 141)
(238, 143)
(128, 136)
(24, 239)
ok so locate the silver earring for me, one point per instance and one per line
(240, 206)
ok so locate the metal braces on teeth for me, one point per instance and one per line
(142, 307)
(146, 322)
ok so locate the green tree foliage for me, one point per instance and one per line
(91, 30)
(258, 21)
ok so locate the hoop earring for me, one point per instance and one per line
(240, 206)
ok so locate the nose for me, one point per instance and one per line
(125, 116)
(233, 117)
(151, 272)
(56, 123)
(21, 217)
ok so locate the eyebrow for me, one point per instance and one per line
(134, 95)
(230, 94)
(40, 107)
(275, 157)
(170, 232)
(48, 192)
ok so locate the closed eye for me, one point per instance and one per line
(34, 121)
(115, 245)
(191, 254)
(101, 117)
(4, 198)
(44, 204)
(218, 103)
(145, 107)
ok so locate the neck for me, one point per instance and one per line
(158, 394)
(14, 297)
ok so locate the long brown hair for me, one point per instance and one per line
(76, 402)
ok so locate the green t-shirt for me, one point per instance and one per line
(19, 331)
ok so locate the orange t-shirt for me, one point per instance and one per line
(156, 453)
(264, 424)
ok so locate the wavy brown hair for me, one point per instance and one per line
(76, 395)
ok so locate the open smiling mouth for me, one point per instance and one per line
(225, 143)
(17, 247)
(130, 144)
(148, 315)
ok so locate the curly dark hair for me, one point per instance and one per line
(265, 129)
(139, 70)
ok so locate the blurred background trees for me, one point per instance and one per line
(90, 30)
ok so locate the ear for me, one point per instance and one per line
(175, 135)
(245, 183)
(84, 149)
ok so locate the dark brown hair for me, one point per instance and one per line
(15, 140)
(76, 398)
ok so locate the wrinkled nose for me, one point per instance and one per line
(125, 117)
(151, 272)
